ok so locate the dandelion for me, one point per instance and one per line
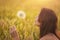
(21, 14)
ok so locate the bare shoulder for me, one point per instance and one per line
(49, 37)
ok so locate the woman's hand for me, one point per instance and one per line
(14, 33)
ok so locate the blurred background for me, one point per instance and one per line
(22, 14)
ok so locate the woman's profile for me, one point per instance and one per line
(47, 21)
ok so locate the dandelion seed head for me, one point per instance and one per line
(21, 14)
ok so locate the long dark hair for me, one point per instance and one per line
(48, 22)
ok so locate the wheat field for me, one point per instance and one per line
(25, 24)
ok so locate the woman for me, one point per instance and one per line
(47, 21)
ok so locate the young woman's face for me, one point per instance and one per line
(36, 21)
